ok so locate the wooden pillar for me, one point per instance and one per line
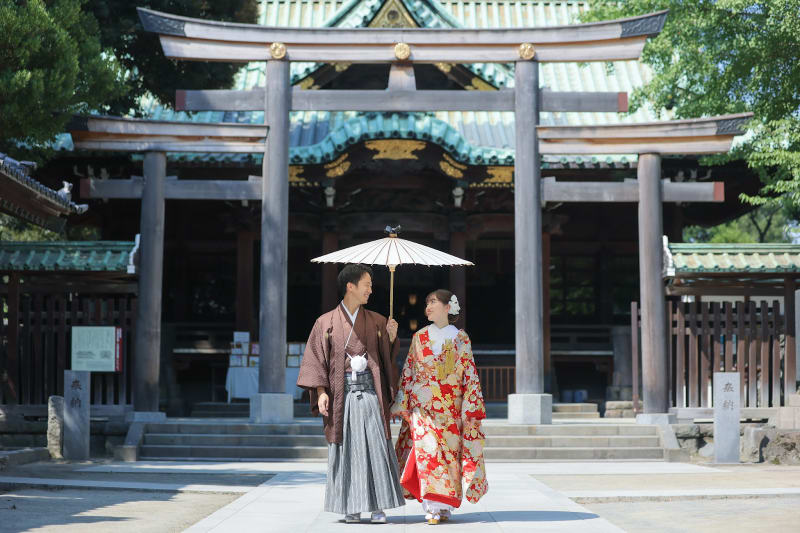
(458, 275)
(655, 375)
(147, 346)
(274, 231)
(244, 281)
(547, 366)
(790, 349)
(330, 291)
(529, 334)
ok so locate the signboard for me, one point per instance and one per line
(97, 348)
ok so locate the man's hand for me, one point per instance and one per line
(391, 329)
(322, 403)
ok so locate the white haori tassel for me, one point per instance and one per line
(357, 364)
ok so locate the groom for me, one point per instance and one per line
(353, 397)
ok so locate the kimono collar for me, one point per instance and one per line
(439, 335)
(351, 315)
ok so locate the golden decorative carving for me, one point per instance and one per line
(527, 51)
(394, 148)
(336, 172)
(295, 174)
(450, 170)
(306, 83)
(338, 166)
(338, 161)
(277, 50)
(477, 84)
(444, 67)
(454, 163)
(500, 176)
(393, 15)
(402, 51)
(341, 67)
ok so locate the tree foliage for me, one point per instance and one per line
(727, 56)
(59, 57)
(768, 223)
(141, 54)
(51, 65)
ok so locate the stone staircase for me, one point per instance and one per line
(561, 411)
(227, 439)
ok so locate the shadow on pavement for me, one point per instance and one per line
(524, 516)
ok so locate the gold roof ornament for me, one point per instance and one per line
(402, 51)
(527, 51)
(277, 50)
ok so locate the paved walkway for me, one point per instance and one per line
(277, 497)
(516, 502)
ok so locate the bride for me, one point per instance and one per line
(440, 446)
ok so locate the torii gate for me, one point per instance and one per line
(193, 39)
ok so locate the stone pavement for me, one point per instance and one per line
(276, 497)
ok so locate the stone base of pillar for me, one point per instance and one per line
(530, 408)
(145, 416)
(656, 419)
(271, 408)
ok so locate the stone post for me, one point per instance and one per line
(55, 426)
(76, 415)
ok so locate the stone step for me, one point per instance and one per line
(321, 453)
(588, 430)
(163, 451)
(243, 428)
(573, 454)
(315, 428)
(573, 415)
(574, 408)
(218, 414)
(269, 441)
(572, 442)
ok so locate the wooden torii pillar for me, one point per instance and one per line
(650, 141)
(155, 139)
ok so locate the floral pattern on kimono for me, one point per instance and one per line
(440, 445)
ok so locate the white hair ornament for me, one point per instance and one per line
(454, 307)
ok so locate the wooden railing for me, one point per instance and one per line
(709, 337)
(497, 382)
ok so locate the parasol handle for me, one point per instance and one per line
(391, 291)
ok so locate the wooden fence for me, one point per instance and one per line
(35, 342)
(708, 337)
(497, 382)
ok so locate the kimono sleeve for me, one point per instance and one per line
(472, 407)
(402, 400)
(314, 369)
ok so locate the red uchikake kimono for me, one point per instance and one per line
(440, 446)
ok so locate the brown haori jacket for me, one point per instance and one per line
(325, 362)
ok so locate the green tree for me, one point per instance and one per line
(726, 56)
(59, 57)
(51, 65)
(141, 54)
(768, 223)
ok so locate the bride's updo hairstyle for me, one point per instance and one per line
(443, 295)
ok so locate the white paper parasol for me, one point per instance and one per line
(392, 251)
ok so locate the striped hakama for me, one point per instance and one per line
(362, 470)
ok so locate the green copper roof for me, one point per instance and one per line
(68, 256)
(471, 137)
(772, 258)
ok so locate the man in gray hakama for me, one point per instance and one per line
(348, 368)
